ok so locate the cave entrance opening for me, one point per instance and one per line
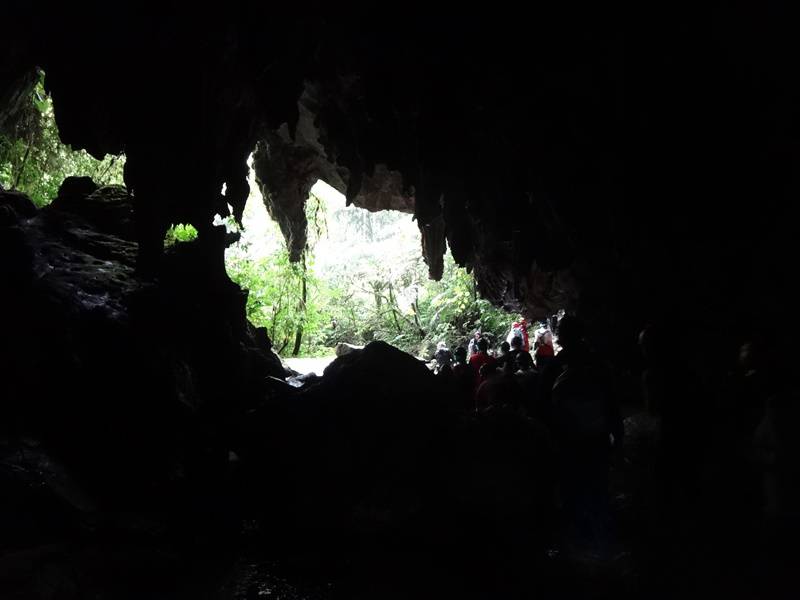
(34, 160)
(361, 278)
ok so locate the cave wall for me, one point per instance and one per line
(627, 172)
(122, 375)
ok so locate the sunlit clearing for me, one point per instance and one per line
(354, 242)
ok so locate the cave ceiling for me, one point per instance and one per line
(568, 158)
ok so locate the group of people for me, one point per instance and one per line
(513, 353)
(565, 389)
(478, 364)
(737, 439)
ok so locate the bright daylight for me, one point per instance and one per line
(362, 279)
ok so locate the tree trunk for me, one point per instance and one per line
(415, 310)
(393, 306)
(298, 338)
(376, 292)
(22, 166)
(101, 178)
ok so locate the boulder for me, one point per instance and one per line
(14, 206)
(343, 348)
(108, 209)
(115, 372)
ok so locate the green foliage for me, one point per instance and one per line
(453, 310)
(276, 298)
(448, 310)
(33, 159)
(370, 285)
(179, 233)
(283, 296)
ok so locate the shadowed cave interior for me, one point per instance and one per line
(636, 168)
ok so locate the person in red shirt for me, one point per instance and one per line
(523, 326)
(481, 357)
(544, 349)
(520, 329)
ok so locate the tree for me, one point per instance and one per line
(283, 296)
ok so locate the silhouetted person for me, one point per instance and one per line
(443, 356)
(743, 409)
(674, 395)
(516, 358)
(777, 452)
(505, 348)
(587, 426)
(463, 380)
(488, 370)
(498, 388)
(519, 329)
(522, 358)
(527, 377)
(748, 392)
(472, 348)
(460, 360)
(506, 354)
(544, 350)
(481, 358)
(445, 375)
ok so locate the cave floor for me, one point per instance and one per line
(59, 544)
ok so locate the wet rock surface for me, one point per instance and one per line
(112, 369)
(108, 209)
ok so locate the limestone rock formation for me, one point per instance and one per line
(81, 329)
(519, 169)
(108, 209)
